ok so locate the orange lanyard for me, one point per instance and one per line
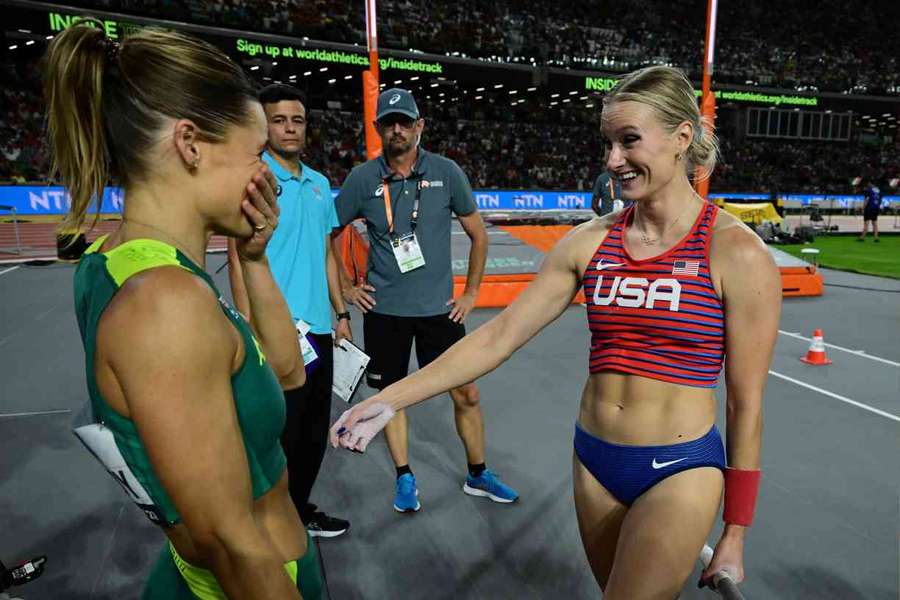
(388, 209)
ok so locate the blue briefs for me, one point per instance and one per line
(629, 471)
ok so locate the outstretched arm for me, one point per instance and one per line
(478, 353)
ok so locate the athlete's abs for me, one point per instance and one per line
(628, 409)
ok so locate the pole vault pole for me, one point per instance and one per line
(708, 101)
(370, 83)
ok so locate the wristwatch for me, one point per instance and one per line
(343, 315)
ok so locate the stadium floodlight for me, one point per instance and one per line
(49, 37)
(511, 92)
(886, 115)
(398, 82)
(14, 46)
(254, 68)
(416, 78)
(582, 97)
(513, 103)
(323, 69)
(479, 97)
(531, 89)
(29, 42)
(573, 92)
(589, 105)
(554, 103)
(307, 73)
(567, 100)
(24, 31)
(332, 80)
(481, 89)
(348, 77)
(554, 95)
(498, 86)
(434, 85)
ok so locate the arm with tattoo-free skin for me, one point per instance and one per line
(751, 294)
(333, 269)
(171, 355)
(478, 353)
(255, 292)
(473, 225)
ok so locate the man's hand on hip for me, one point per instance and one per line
(462, 306)
(358, 296)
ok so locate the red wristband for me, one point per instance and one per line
(741, 488)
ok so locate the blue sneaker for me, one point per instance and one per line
(405, 500)
(488, 484)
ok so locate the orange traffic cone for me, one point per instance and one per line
(816, 353)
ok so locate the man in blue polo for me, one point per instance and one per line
(306, 271)
(408, 197)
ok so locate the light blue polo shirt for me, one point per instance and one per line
(296, 251)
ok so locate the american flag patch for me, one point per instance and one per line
(686, 267)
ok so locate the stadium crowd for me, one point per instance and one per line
(809, 45)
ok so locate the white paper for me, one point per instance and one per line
(349, 366)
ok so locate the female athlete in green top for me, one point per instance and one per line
(186, 389)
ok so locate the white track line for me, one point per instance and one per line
(860, 353)
(837, 397)
(35, 414)
(8, 270)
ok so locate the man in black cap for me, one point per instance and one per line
(408, 197)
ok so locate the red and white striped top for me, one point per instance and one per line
(659, 317)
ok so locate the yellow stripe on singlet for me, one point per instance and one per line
(203, 583)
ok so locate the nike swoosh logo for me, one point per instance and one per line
(661, 465)
(602, 266)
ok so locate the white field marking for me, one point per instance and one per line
(8, 270)
(860, 353)
(34, 414)
(837, 396)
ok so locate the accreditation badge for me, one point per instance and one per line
(408, 252)
(307, 349)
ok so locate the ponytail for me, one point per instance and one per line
(73, 89)
(704, 149)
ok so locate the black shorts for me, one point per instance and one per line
(871, 215)
(389, 339)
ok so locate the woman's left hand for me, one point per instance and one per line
(729, 557)
(261, 208)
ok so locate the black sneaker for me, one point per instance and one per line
(321, 525)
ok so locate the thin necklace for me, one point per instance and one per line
(649, 241)
(178, 244)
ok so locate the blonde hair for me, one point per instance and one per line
(106, 103)
(670, 94)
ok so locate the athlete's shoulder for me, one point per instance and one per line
(734, 243)
(163, 292)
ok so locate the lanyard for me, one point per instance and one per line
(388, 210)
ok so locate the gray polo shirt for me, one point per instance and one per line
(445, 190)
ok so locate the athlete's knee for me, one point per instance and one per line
(466, 396)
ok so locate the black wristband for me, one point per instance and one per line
(343, 315)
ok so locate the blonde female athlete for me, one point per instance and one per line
(187, 393)
(673, 285)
